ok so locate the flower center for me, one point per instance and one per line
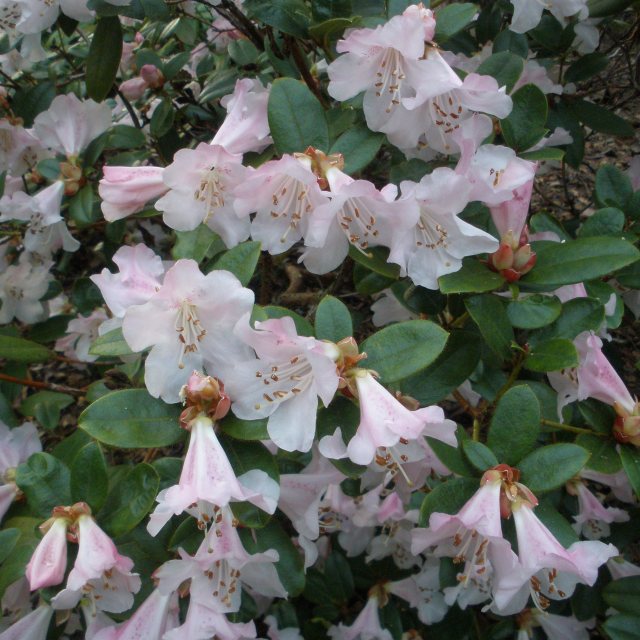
(389, 78)
(285, 380)
(446, 113)
(190, 331)
(211, 192)
(290, 200)
(429, 233)
(358, 223)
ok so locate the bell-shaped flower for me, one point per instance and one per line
(365, 627)
(203, 623)
(511, 215)
(357, 214)
(246, 126)
(151, 620)
(284, 383)
(21, 287)
(49, 560)
(527, 13)
(188, 323)
(33, 626)
(593, 518)
(555, 627)
(395, 68)
(140, 276)
(126, 190)
(201, 182)
(207, 476)
(547, 571)
(283, 194)
(438, 239)
(81, 333)
(70, 124)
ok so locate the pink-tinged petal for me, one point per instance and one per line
(203, 623)
(482, 93)
(125, 190)
(17, 444)
(594, 518)
(365, 627)
(526, 15)
(49, 560)
(511, 215)
(8, 493)
(33, 626)
(350, 74)
(292, 427)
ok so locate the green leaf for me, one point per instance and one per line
(585, 67)
(603, 8)
(89, 480)
(130, 500)
(613, 188)
(45, 407)
(546, 153)
(21, 350)
(451, 368)
(241, 261)
(333, 320)
(509, 41)
(515, 425)
(13, 568)
(604, 222)
(505, 67)
(474, 277)
(624, 595)
(552, 355)
(452, 19)
(604, 455)
(130, 419)
(111, 343)
(194, 244)
(524, 126)
(296, 118)
(290, 565)
(104, 56)
(375, 260)
(162, 118)
(622, 627)
(327, 9)
(244, 429)
(359, 146)
(550, 467)
(448, 497)
(303, 327)
(579, 260)
(630, 457)
(451, 457)
(289, 16)
(578, 315)
(600, 119)
(479, 455)
(81, 207)
(533, 311)
(123, 136)
(8, 540)
(401, 350)
(339, 577)
(489, 313)
(27, 103)
(44, 480)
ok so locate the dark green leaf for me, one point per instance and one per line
(401, 350)
(162, 118)
(375, 260)
(479, 455)
(452, 19)
(474, 277)
(333, 320)
(515, 425)
(505, 67)
(600, 119)
(451, 457)
(578, 315)
(241, 261)
(296, 118)
(81, 209)
(111, 344)
(130, 500)
(630, 457)
(622, 627)
(525, 125)
(586, 67)
(327, 9)
(546, 153)
(303, 327)
(244, 429)
(44, 480)
(489, 313)
(604, 222)
(289, 16)
(550, 467)
(603, 8)
(613, 188)
(195, 244)
(624, 595)
(552, 355)
(45, 407)
(448, 497)
(534, 311)
(8, 540)
(123, 136)
(131, 418)
(89, 480)
(104, 56)
(604, 456)
(28, 103)
(21, 350)
(359, 146)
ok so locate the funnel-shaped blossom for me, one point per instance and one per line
(365, 627)
(49, 560)
(201, 183)
(593, 517)
(547, 571)
(33, 626)
(207, 476)
(140, 276)
(246, 127)
(21, 288)
(125, 190)
(395, 68)
(284, 383)
(283, 194)
(70, 124)
(438, 239)
(527, 13)
(202, 623)
(188, 323)
(511, 215)
(357, 214)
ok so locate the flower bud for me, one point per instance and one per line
(203, 394)
(152, 76)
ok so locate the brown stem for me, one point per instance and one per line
(301, 63)
(49, 386)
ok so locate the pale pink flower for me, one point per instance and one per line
(15, 602)
(70, 124)
(617, 482)
(387, 309)
(22, 286)
(80, 335)
(283, 193)
(284, 383)
(535, 73)
(33, 626)
(201, 182)
(19, 149)
(527, 13)
(188, 323)
(246, 127)
(37, 16)
(357, 214)
(126, 190)
(139, 278)
(438, 239)
(134, 88)
(395, 68)
(49, 560)
(288, 633)
(365, 627)
(202, 623)
(593, 517)
(555, 627)
(207, 476)
(621, 568)
(511, 215)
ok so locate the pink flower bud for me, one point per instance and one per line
(133, 89)
(502, 258)
(49, 560)
(152, 76)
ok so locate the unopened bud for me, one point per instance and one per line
(152, 76)
(203, 394)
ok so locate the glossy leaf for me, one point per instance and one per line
(89, 480)
(45, 482)
(489, 313)
(21, 350)
(333, 320)
(550, 467)
(104, 56)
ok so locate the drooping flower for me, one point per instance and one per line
(284, 383)
(20, 150)
(365, 627)
(201, 182)
(49, 560)
(188, 323)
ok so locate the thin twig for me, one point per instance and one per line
(569, 427)
(50, 386)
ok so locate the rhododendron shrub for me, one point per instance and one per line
(317, 320)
